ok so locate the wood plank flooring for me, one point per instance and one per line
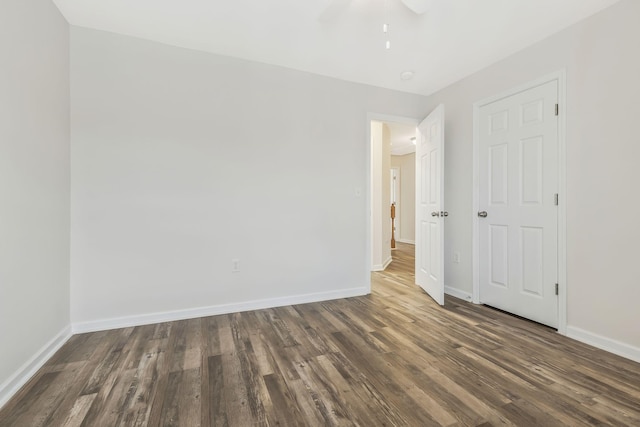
(393, 358)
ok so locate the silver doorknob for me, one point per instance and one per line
(482, 214)
(435, 213)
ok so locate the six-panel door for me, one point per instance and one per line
(518, 159)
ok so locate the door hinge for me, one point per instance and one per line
(557, 109)
(557, 291)
(555, 199)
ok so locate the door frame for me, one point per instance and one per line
(379, 117)
(560, 77)
(395, 185)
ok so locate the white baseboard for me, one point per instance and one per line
(146, 319)
(411, 242)
(387, 262)
(383, 266)
(612, 346)
(454, 292)
(26, 371)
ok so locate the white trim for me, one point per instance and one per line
(454, 292)
(398, 185)
(383, 266)
(604, 343)
(562, 203)
(168, 316)
(475, 236)
(560, 76)
(411, 242)
(13, 384)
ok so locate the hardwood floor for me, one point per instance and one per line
(391, 358)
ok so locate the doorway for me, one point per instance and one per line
(391, 152)
(428, 139)
(394, 182)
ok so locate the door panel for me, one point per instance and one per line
(430, 201)
(499, 255)
(434, 251)
(532, 173)
(532, 260)
(498, 179)
(518, 160)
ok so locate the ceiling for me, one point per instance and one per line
(344, 38)
(400, 135)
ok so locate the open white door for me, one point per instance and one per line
(430, 211)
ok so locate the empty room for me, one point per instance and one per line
(322, 212)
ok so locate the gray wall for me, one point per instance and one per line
(603, 91)
(183, 161)
(34, 182)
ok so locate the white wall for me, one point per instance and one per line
(380, 195)
(183, 161)
(377, 260)
(34, 187)
(407, 203)
(385, 200)
(602, 63)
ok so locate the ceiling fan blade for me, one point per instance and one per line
(333, 9)
(417, 6)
